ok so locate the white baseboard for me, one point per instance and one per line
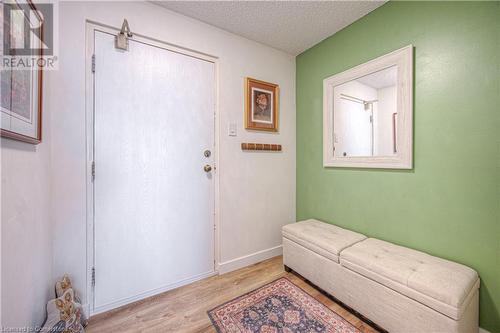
(86, 310)
(482, 330)
(250, 259)
(128, 300)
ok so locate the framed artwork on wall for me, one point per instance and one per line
(261, 105)
(20, 89)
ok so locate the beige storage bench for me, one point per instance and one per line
(399, 289)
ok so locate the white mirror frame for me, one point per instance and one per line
(403, 59)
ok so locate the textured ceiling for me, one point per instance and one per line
(291, 26)
(381, 79)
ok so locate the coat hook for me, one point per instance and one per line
(121, 40)
(126, 29)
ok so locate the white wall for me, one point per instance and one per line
(386, 107)
(26, 232)
(257, 190)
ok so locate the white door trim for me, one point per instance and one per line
(91, 28)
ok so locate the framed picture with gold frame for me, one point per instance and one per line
(261, 105)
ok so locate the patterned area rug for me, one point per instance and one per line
(278, 307)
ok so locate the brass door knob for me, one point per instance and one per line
(207, 168)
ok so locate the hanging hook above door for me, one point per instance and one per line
(121, 40)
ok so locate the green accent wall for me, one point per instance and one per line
(449, 204)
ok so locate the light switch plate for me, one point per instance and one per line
(231, 130)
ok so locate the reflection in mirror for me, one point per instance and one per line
(365, 115)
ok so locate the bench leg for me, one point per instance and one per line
(287, 269)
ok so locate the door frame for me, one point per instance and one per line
(91, 28)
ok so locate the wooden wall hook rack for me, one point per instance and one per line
(260, 146)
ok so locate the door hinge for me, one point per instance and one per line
(93, 276)
(93, 170)
(93, 63)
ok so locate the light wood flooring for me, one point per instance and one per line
(185, 309)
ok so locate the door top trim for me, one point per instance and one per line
(137, 37)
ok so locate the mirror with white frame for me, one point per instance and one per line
(367, 114)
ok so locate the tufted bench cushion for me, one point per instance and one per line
(442, 285)
(323, 238)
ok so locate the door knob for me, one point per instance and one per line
(207, 168)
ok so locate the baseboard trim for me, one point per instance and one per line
(86, 310)
(149, 293)
(250, 259)
(482, 330)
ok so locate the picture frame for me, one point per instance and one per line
(22, 90)
(261, 105)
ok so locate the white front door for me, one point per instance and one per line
(153, 200)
